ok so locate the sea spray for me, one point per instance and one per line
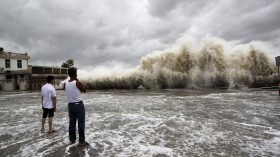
(189, 65)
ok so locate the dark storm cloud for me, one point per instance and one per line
(188, 8)
(161, 8)
(252, 20)
(100, 32)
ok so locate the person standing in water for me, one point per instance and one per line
(48, 103)
(76, 109)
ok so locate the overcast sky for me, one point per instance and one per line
(119, 32)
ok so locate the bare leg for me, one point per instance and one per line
(43, 124)
(50, 124)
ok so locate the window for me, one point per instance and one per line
(19, 63)
(22, 76)
(7, 63)
(8, 77)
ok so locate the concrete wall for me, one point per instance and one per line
(8, 85)
(31, 79)
(2, 63)
(24, 83)
(14, 57)
(13, 64)
(2, 77)
(23, 86)
(18, 81)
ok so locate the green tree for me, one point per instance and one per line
(68, 64)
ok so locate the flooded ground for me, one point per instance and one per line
(154, 123)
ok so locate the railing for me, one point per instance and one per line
(47, 70)
(13, 54)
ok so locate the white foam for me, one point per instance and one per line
(155, 150)
(69, 147)
(254, 125)
(162, 124)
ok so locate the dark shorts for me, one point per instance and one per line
(48, 112)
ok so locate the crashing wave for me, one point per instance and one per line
(186, 65)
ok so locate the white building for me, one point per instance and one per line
(13, 71)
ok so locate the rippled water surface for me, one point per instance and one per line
(148, 123)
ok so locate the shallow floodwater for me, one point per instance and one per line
(149, 123)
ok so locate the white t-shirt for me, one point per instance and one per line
(72, 92)
(48, 92)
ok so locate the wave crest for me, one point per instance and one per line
(186, 65)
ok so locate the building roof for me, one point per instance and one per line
(11, 55)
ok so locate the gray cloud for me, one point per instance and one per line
(96, 33)
(161, 8)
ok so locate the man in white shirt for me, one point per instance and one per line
(48, 102)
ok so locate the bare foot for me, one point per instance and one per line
(52, 131)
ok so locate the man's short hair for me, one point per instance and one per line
(50, 78)
(72, 71)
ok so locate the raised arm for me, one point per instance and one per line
(80, 86)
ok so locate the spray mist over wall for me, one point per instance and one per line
(210, 64)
